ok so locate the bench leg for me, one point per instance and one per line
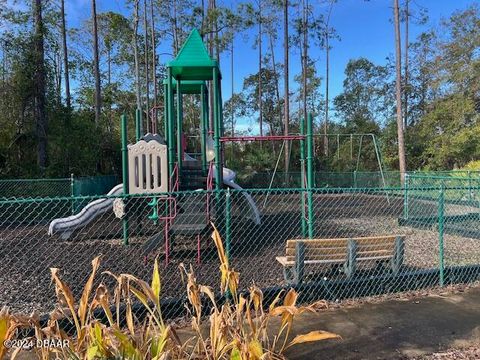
(350, 264)
(299, 261)
(398, 253)
(289, 275)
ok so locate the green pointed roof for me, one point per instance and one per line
(193, 61)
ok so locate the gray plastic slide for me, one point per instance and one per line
(66, 226)
(228, 179)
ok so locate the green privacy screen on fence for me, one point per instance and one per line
(78, 186)
(72, 188)
(368, 241)
(94, 185)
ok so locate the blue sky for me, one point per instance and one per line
(365, 29)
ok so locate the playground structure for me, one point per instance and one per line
(161, 166)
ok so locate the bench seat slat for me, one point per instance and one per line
(309, 252)
(343, 241)
(287, 263)
(343, 256)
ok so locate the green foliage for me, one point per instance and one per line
(442, 92)
(472, 166)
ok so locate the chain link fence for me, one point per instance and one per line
(367, 240)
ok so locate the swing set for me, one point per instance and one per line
(351, 137)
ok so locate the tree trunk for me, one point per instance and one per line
(65, 57)
(96, 65)
(232, 111)
(327, 99)
(211, 40)
(233, 90)
(136, 59)
(40, 83)
(398, 93)
(260, 103)
(58, 76)
(406, 89)
(176, 44)
(286, 113)
(277, 88)
(147, 80)
(154, 69)
(327, 78)
(109, 65)
(304, 59)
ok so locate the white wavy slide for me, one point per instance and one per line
(66, 226)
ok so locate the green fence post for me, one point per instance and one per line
(355, 179)
(441, 225)
(72, 192)
(125, 175)
(227, 223)
(405, 197)
(469, 187)
(302, 179)
(311, 219)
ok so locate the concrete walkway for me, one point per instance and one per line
(394, 329)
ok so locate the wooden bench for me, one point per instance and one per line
(387, 250)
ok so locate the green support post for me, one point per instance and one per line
(165, 118)
(221, 129)
(441, 227)
(125, 174)
(302, 179)
(138, 123)
(216, 134)
(311, 219)
(170, 136)
(203, 129)
(405, 197)
(179, 128)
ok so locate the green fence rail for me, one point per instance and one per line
(353, 179)
(375, 246)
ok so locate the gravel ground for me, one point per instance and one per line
(470, 353)
(26, 252)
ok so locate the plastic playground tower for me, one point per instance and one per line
(161, 167)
